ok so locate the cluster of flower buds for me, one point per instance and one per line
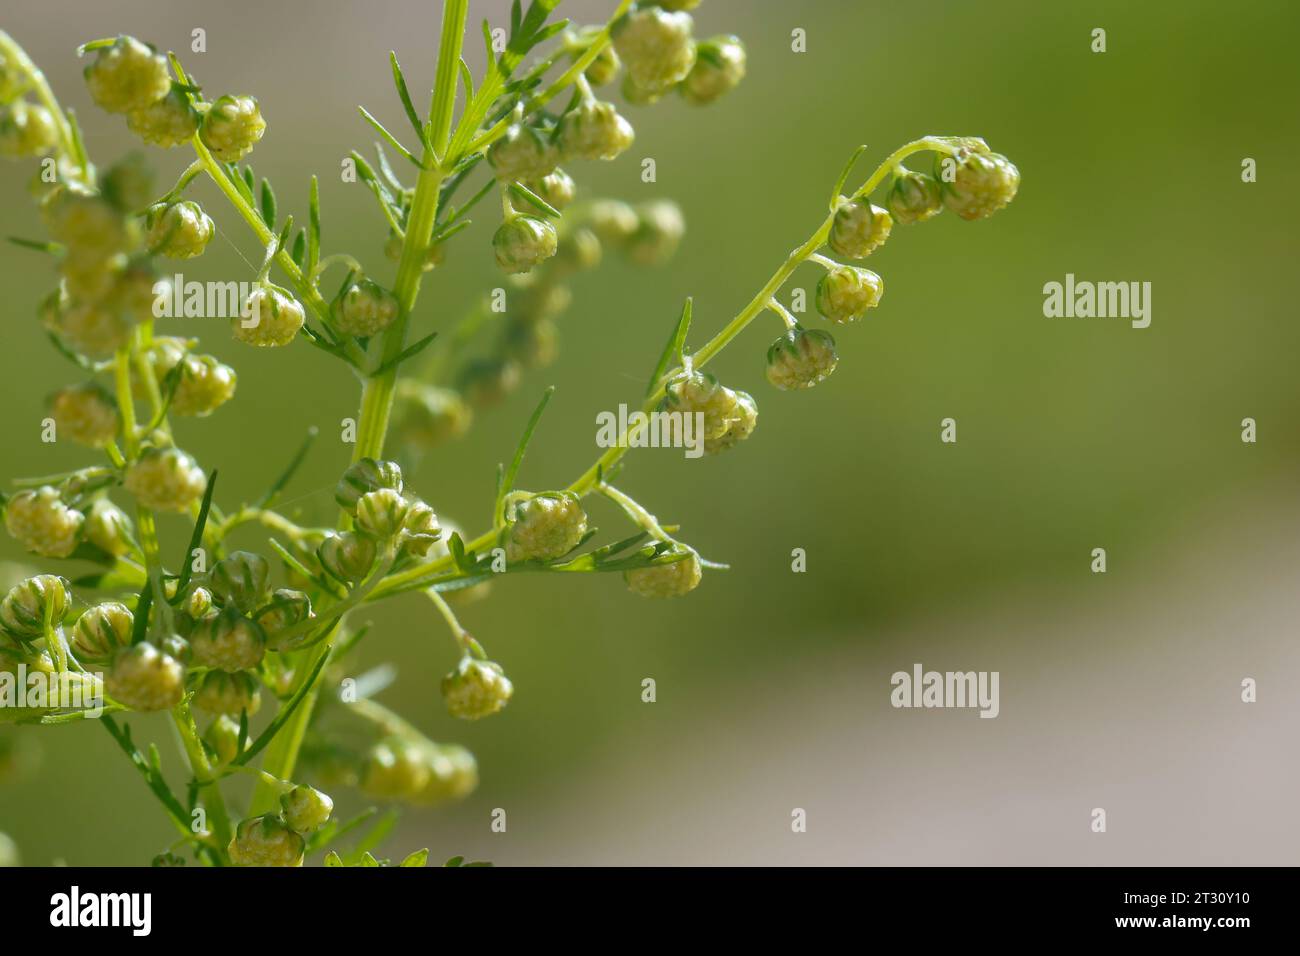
(476, 688)
(729, 414)
(276, 839)
(386, 520)
(667, 580)
(801, 358)
(53, 521)
(543, 527)
(654, 41)
(417, 771)
(202, 384)
(363, 308)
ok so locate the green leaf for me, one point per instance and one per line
(386, 168)
(368, 859)
(290, 470)
(415, 348)
(508, 479)
(53, 248)
(848, 168)
(673, 351)
(299, 252)
(392, 140)
(333, 859)
(526, 194)
(377, 835)
(455, 861)
(405, 96)
(313, 228)
(418, 858)
(281, 716)
(267, 205)
(196, 537)
(140, 624)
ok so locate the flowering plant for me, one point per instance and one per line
(205, 638)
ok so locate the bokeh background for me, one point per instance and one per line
(1118, 690)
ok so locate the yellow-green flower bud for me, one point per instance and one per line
(846, 292)
(741, 426)
(205, 385)
(523, 153)
(655, 45)
(420, 529)
(137, 288)
(108, 528)
(88, 225)
(523, 242)
(23, 610)
(380, 513)
(266, 841)
(144, 678)
(90, 279)
(100, 631)
(127, 76)
(12, 78)
(197, 603)
(635, 95)
(166, 479)
(364, 476)
(604, 68)
(271, 317)
(365, 308)
(557, 188)
(177, 648)
(170, 121)
(128, 183)
(229, 694)
(719, 68)
(982, 183)
(228, 641)
(241, 580)
(578, 250)
(86, 413)
(347, 556)
(26, 129)
(222, 738)
(452, 775)
(476, 689)
(425, 416)
(914, 197)
(545, 526)
(666, 580)
(532, 344)
(701, 392)
(612, 220)
(801, 358)
(231, 127)
(594, 130)
(305, 809)
(859, 228)
(178, 230)
(91, 329)
(287, 609)
(487, 382)
(541, 300)
(395, 769)
(659, 230)
(39, 520)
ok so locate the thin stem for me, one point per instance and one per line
(15, 53)
(790, 321)
(642, 518)
(464, 641)
(203, 775)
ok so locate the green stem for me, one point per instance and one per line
(218, 816)
(16, 54)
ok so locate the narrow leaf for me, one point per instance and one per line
(290, 470)
(415, 348)
(267, 206)
(405, 96)
(673, 350)
(508, 480)
(313, 228)
(282, 715)
(389, 137)
(844, 176)
(526, 194)
(196, 537)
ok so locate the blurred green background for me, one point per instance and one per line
(1073, 434)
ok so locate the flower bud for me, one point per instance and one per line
(26, 129)
(170, 121)
(305, 809)
(556, 188)
(347, 556)
(365, 308)
(740, 427)
(487, 382)
(108, 528)
(178, 230)
(13, 78)
(420, 529)
(90, 279)
(364, 476)
(636, 95)
(127, 76)
(914, 197)
(541, 300)
(23, 610)
(395, 769)
(594, 130)
(452, 775)
(144, 678)
(166, 479)
(719, 68)
(701, 392)
(229, 694)
(128, 184)
(476, 689)
(846, 292)
(604, 67)
(197, 604)
(578, 250)
(222, 737)
(655, 45)
(380, 513)
(801, 358)
(859, 228)
(241, 580)
(532, 344)
(205, 385)
(177, 648)
(86, 413)
(666, 580)
(271, 317)
(39, 520)
(231, 127)
(93, 330)
(266, 841)
(425, 416)
(523, 153)
(228, 641)
(612, 220)
(523, 242)
(287, 609)
(659, 230)
(87, 225)
(100, 631)
(981, 184)
(544, 527)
